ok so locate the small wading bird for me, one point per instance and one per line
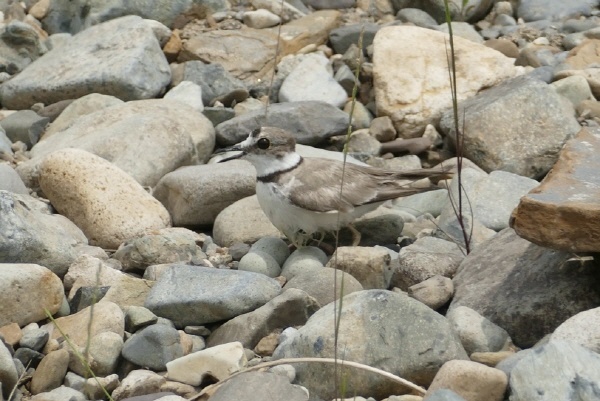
(302, 197)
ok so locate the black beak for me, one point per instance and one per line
(231, 149)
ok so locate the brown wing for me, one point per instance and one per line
(317, 186)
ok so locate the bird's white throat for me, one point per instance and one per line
(266, 164)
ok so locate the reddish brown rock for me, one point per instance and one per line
(563, 212)
(583, 60)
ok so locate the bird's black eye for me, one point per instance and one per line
(263, 143)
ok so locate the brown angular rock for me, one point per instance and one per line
(563, 212)
(583, 60)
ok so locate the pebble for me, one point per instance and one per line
(260, 18)
(187, 92)
(434, 292)
(303, 259)
(581, 329)
(50, 372)
(153, 347)
(477, 333)
(273, 246)
(319, 284)
(371, 266)
(260, 262)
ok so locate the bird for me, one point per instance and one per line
(302, 196)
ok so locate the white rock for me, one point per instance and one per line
(583, 329)
(411, 82)
(219, 362)
(189, 93)
(260, 18)
(138, 382)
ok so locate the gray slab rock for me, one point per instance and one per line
(260, 386)
(25, 126)
(526, 289)
(518, 126)
(121, 57)
(559, 370)
(29, 233)
(216, 82)
(147, 139)
(341, 38)
(412, 341)
(153, 346)
(195, 195)
(11, 181)
(535, 10)
(310, 122)
(292, 308)
(491, 198)
(191, 295)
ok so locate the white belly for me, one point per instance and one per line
(290, 219)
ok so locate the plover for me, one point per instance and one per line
(301, 196)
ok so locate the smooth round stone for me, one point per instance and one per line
(303, 259)
(260, 262)
(276, 247)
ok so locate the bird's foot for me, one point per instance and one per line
(355, 235)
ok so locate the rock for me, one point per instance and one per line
(10, 180)
(95, 387)
(249, 52)
(26, 291)
(320, 284)
(11, 334)
(34, 339)
(426, 341)
(476, 11)
(103, 355)
(425, 258)
(424, 82)
(382, 129)
(25, 126)
(132, 68)
(273, 246)
(260, 262)
(434, 292)
(138, 382)
(313, 29)
(243, 221)
(108, 317)
(471, 380)
(86, 296)
(575, 88)
(311, 80)
(20, 44)
(333, 4)
(198, 295)
(509, 105)
(491, 198)
(153, 347)
(563, 211)
(292, 308)
(308, 258)
(28, 357)
(217, 363)
(195, 195)
(487, 282)
(217, 84)
(491, 358)
(260, 19)
(179, 136)
(462, 30)
(188, 93)
(137, 317)
(371, 266)
(535, 10)
(105, 202)
(506, 47)
(258, 386)
(30, 234)
(416, 17)
(440, 395)
(477, 334)
(8, 371)
(557, 370)
(341, 38)
(361, 144)
(430, 202)
(582, 328)
(325, 121)
(168, 245)
(50, 372)
(59, 394)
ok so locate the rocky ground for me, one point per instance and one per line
(112, 205)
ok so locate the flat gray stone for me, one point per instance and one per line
(518, 126)
(379, 328)
(558, 370)
(535, 10)
(121, 57)
(153, 346)
(526, 289)
(310, 122)
(477, 333)
(194, 295)
(341, 38)
(11, 181)
(260, 386)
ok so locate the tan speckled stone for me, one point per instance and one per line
(105, 202)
